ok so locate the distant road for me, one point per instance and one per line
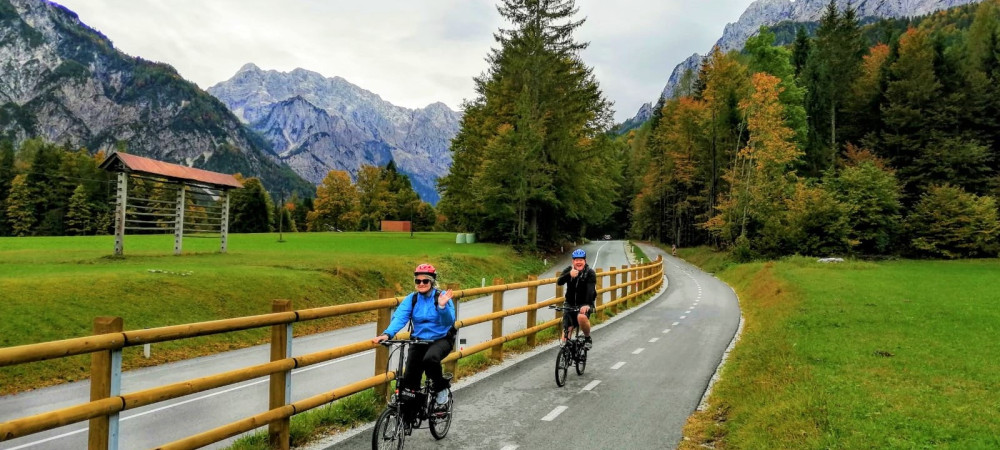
(644, 377)
(165, 422)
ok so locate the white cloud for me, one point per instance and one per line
(411, 53)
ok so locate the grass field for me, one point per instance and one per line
(898, 354)
(53, 287)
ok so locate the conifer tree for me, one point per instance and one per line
(20, 207)
(78, 215)
(800, 50)
(830, 70)
(250, 209)
(540, 104)
(7, 175)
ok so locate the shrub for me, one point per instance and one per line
(948, 222)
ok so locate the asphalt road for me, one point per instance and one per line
(645, 375)
(165, 422)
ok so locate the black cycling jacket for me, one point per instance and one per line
(581, 290)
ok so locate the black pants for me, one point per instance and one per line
(427, 358)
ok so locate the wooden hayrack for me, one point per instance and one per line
(167, 208)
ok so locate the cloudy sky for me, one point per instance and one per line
(410, 52)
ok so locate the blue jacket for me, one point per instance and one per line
(429, 321)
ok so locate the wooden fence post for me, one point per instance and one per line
(280, 392)
(659, 268)
(533, 314)
(635, 285)
(497, 351)
(100, 383)
(624, 291)
(453, 366)
(614, 291)
(559, 294)
(600, 285)
(382, 353)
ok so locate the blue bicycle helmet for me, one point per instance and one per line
(579, 253)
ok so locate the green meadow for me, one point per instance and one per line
(896, 354)
(53, 287)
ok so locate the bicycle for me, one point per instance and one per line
(574, 351)
(408, 410)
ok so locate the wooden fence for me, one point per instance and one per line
(105, 347)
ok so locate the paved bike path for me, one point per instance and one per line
(640, 385)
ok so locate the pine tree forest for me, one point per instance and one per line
(856, 140)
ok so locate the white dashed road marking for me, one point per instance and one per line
(618, 365)
(675, 324)
(654, 339)
(590, 386)
(637, 351)
(684, 317)
(555, 413)
(509, 447)
(667, 330)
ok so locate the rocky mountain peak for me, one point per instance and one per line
(343, 127)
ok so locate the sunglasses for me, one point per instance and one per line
(422, 281)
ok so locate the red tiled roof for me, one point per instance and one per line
(172, 171)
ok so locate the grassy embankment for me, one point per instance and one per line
(52, 287)
(897, 354)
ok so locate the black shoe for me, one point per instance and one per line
(587, 342)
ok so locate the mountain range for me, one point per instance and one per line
(317, 124)
(66, 83)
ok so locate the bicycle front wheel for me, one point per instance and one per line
(562, 366)
(440, 421)
(389, 431)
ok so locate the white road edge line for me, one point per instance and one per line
(555, 413)
(618, 365)
(590, 386)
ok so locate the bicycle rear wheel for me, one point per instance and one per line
(562, 365)
(440, 421)
(389, 431)
(581, 361)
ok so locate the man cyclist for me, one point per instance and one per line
(433, 315)
(581, 292)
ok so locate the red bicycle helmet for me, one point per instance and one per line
(425, 269)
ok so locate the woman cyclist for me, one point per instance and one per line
(433, 315)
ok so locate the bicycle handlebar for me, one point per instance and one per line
(564, 308)
(389, 342)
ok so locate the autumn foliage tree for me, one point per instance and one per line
(760, 180)
(336, 205)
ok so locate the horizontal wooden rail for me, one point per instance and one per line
(638, 285)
